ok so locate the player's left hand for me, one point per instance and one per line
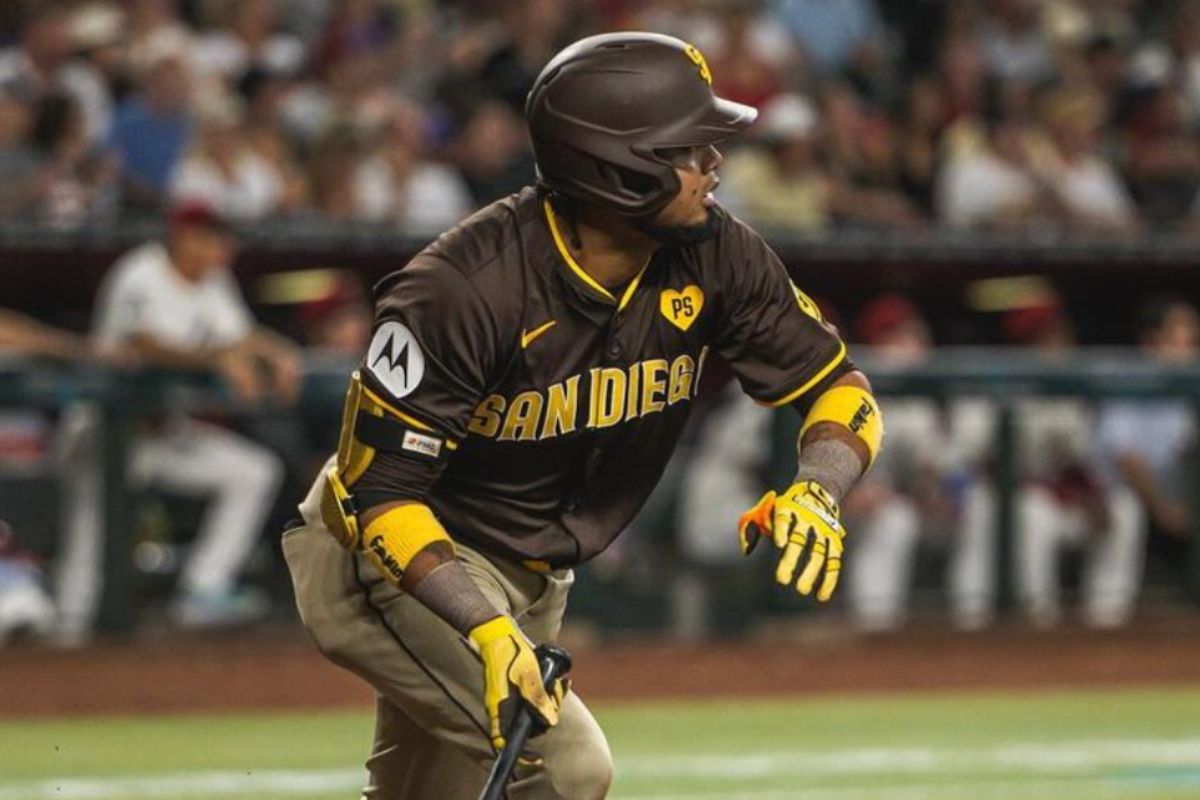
(805, 514)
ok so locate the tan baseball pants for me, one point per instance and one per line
(431, 740)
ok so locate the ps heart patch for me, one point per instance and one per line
(681, 307)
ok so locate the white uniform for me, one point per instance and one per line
(1052, 515)
(144, 294)
(926, 443)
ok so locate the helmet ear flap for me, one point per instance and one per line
(637, 183)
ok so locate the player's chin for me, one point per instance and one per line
(696, 228)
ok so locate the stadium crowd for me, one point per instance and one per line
(1077, 114)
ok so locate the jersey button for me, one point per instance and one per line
(614, 349)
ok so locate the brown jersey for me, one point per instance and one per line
(544, 408)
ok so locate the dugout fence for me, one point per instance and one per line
(1004, 376)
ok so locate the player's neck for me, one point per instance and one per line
(609, 249)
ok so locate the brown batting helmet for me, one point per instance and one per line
(603, 109)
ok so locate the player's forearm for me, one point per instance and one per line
(268, 345)
(831, 453)
(439, 582)
(154, 352)
(26, 335)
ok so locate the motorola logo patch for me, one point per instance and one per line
(395, 359)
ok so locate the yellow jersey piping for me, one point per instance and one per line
(813, 381)
(416, 423)
(580, 272)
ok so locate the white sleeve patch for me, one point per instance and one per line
(395, 359)
(420, 443)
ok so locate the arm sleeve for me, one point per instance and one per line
(430, 361)
(773, 335)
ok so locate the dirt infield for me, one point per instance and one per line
(280, 668)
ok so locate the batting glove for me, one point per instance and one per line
(803, 521)
(511, 675)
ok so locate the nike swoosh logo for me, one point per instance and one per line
(527, 336)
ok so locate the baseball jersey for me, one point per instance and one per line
(543, 408)
(144, 294)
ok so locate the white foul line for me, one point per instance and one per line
(986, 773)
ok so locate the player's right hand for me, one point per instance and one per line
(511, 675)
(241, 373)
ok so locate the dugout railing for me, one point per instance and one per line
(1002, 375)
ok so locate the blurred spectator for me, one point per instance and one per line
(333, 165)
(41, 64)
(1146, 445)
(77, 181)
(928, 484)
(916, 142)
(399, 185)
(1062, 503)
(962, 74)
(248, 37)
(780, 183)
(222, 170)
(19, 162)
(153, 126)
(153, 24)
(785, 184)
(356, 34)
(1086, 185)
(97, 38)
(492, 153)
(835, 36)
(177, 306)
(533, 31)
(1014, 43)
(1163, 155)
(995, 184)
(266, 135)
(861, 155)
(750, 56)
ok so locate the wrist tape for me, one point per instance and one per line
(854, 409)
(396, 536)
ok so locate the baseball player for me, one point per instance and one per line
(529, 375)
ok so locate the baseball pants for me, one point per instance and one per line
(1114, 555)
(241, 478)
(431, 730)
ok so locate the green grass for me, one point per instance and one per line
(1063, 746)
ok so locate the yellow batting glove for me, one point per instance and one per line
(511, 675)
(806, 513)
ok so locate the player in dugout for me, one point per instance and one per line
(529, 375)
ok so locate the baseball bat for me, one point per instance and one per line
(555, 663)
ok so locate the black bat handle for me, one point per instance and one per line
(555, 663)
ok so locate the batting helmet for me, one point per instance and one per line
(603, 109)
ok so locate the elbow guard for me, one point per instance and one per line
(852, 408)
(370, 425)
